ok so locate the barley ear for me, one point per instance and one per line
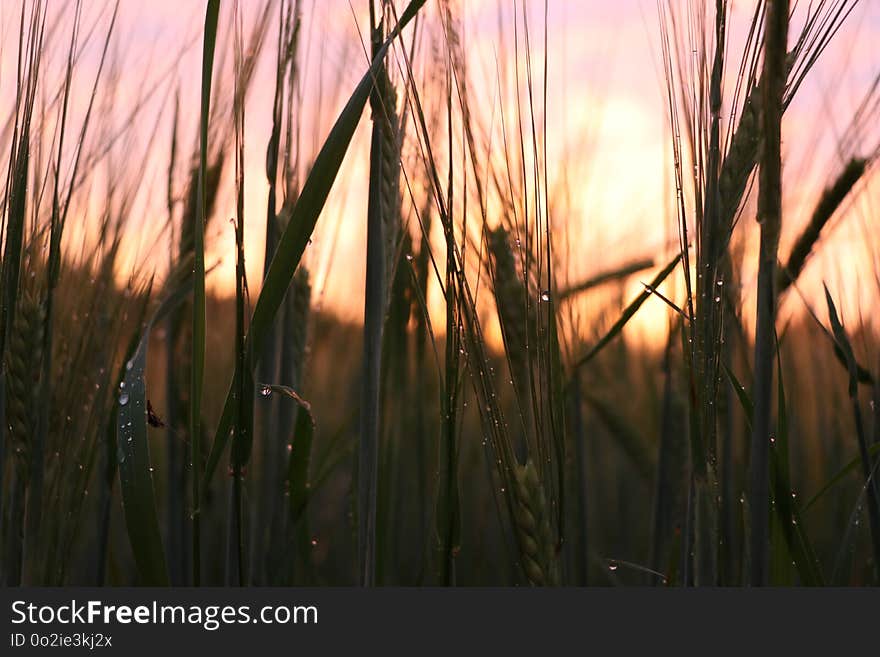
(511, 299)
(23, 367)
(534, 532)
(832, 198)
(384, 109)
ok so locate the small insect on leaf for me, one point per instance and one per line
(152, 418)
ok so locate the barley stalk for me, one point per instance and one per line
(212, 11)
(379, 276)
(770, 219)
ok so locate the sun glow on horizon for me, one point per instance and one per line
(607, 142)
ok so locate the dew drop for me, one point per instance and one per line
(545, 296)
(123, 398)
(612, 565)
(265, 391)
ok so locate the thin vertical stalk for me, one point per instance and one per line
(198, 319)
(580, 562)
(770, 219)
(244, 381)
(671, 480)
(448, 504)
(176, 519)
(267, 368)
(374, 311)
(35, 492)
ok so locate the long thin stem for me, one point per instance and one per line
(198, 321)
(770, 218)
(374, 311)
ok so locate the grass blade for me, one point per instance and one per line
(629, 312)
(297, 484)
(842, 474)
(296, 235)
(872, 490)
(789, 514)
(135, 472)
(133, 455)
(608, 276)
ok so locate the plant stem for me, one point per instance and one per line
(770, 219)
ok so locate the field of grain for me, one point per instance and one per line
(289, 303)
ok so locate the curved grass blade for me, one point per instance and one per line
(607, 276)
(742, 394)
(303, 219)
(300, 450)
(297, 483)
(111, 463)
(136, 480)
(842, 474)
(872, 490)
(133, 456)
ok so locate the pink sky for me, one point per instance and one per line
(605, 90)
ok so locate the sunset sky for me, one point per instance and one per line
(606, 130)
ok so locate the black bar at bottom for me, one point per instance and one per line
(218, 621)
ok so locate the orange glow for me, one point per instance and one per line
(607, 137)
